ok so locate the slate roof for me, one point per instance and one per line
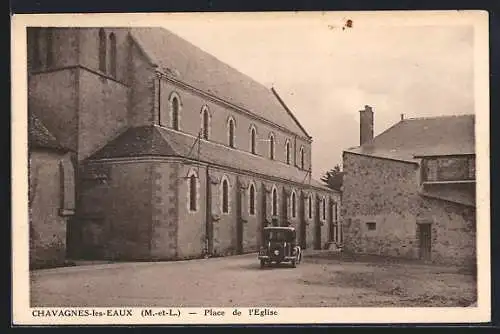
(40, 137)
(195, 67)
(159, 141)
(443, 135)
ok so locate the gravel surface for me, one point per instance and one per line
(239, 281)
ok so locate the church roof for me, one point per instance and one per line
(199, 69)
(158, 141)
(427, 136)
(39, 136)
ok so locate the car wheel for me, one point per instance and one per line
(262, 263)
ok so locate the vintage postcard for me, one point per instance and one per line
(251, 168)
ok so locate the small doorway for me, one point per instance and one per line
(424, 235)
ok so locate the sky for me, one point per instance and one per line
(326, 74)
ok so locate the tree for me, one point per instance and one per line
(333, 178)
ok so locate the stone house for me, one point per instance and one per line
(51, 195)
(410, 191)
(178, 155)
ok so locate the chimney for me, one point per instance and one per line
(366, 125)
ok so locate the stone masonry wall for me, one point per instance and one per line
(115, 210)
(102, 111)
(53, 97)
(165, 211)
(190, 121)
(191, 224)
(47, 226)
(385, 192)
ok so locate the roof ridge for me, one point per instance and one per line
(437, 117)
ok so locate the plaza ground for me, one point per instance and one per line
(319, 281)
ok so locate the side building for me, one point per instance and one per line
(410, 191)
(176, 154)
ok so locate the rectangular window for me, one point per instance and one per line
(371, 226)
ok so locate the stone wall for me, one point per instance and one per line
(115, 210)
(54, 98)
(191, 228)
(102, 111)
(190, 121)
(142, 81)
(386, 193)
(89, 51)
(47, 225)
(165, 212)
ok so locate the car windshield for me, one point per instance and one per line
(278, 235)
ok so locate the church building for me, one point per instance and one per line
(175, 154)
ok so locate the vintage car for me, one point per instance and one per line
(279, 245)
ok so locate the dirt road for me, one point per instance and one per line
(239, 281)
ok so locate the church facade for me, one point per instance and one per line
(176, 155)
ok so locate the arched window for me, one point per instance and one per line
(102, 50)
(50, 46)
(271, 146)
(287, 151)
(206, 122)
(275, 202)
(192, 193)
(294, 205)
(175, 107)
(112, 64)
(252, 199)
(231, 132)
(309, 206)
(323, 208)
(253, 140)
(225, 196)
(302, 157)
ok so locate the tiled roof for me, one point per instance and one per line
(458, 193)
(39, 136)
(158, 141)
(136, 142)
(444, 135)
(197, 68)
